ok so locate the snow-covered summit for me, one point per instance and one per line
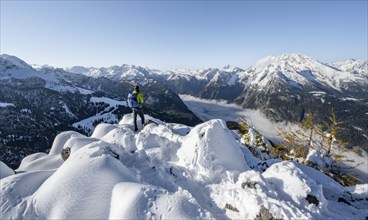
(11, 66)
(299, 70)
(291, 59)
(46, 76)
(169, 171)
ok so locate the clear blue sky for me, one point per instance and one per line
(182, 34)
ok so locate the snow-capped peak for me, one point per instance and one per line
(298, 70)
(290, 59)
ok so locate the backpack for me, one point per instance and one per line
(132, 101)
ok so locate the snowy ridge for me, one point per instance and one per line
(12, 66)
(352, 66)
(224, 76)
(169, 171)
(54, 79)
(15, 61)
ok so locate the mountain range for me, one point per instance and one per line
(284, 87)
(38, 102)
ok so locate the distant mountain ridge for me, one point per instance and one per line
(192, 82)
(296, 69)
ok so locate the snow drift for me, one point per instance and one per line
(209, 150)
(168, 171)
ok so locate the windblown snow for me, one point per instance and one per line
(169, 171)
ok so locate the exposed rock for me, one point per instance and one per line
(230, 207)
(65, 153)
(264, 214)
(251, 185)
(341, 199)
(312, 199)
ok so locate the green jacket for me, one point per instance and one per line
(139, 97)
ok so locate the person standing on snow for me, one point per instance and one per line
(135, 101)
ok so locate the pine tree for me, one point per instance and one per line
(332, 128)
(310, 135)
(295, 142)
(308, 125)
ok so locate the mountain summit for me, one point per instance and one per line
(169, 171)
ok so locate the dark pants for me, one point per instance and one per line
(138, 111)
